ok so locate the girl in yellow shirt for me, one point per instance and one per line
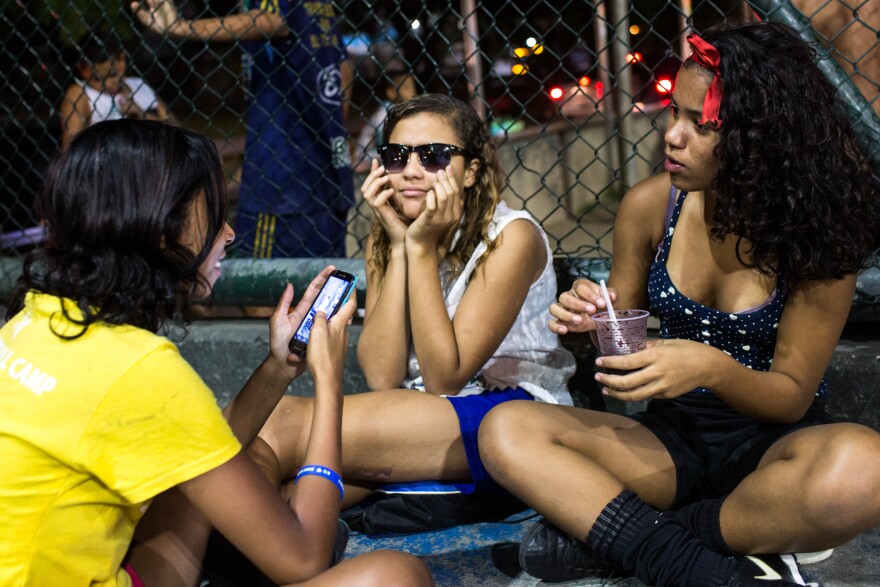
(101, 420)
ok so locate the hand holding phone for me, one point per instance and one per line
(335, 292)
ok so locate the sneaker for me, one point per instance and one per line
(767, 570)
(811, 558)
(550, 554)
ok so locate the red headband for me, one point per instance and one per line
(706, 55)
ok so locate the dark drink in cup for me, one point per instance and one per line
(629, 334)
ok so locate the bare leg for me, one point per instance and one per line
(383, 568)
(398, 435)
(169, 542)
(266, 459)
(170, 545)
(387, 436)
(546, 454)
(814, 489)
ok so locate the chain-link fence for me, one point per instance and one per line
(572, 90)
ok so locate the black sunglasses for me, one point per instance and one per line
(433, 157)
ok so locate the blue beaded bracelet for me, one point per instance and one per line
(324, 472)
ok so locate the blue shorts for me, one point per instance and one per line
(266, 236)
(471, 410)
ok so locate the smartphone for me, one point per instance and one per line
(334, 294)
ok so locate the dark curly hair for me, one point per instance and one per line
(480, 200)
(117, 204)
(792, 183)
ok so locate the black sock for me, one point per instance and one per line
(654, 547)
(617, 524)
(703, 519)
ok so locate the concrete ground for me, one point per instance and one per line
(463, 557)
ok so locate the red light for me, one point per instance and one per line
(600, 90)
(633, 57)
(556, 93)
(664, 85)
(584, 81)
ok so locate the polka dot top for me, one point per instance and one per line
(748, 336)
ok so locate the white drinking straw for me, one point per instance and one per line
(607, 301)
(619, 342)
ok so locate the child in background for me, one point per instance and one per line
(104, 91)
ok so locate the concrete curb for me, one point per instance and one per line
(226, 352)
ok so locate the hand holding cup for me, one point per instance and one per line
(576, 307)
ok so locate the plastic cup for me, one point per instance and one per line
(629, 334)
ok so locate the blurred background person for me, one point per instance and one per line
(396, 85)
(104, 91)
(296, 180)
(850, 28)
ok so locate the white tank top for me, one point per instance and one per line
(530, 356)
(106, 106)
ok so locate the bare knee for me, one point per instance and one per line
(391, 568)
(266, 460)
(840, 486)
(286, 434)
(501, 437)
(404, 570)
(496, 431)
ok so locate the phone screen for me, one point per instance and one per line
(334, 293)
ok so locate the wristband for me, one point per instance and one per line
(324, 472)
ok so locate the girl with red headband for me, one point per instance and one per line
(746, 248)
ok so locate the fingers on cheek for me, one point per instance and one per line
(372, 193)
(385, 196)
(442, 190)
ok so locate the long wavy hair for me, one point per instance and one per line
(117, 204)
(792, 184)
(480, 200)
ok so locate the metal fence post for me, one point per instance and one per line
(623, 96)
(686, 11)
(473, 62)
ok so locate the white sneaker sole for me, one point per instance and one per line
(811, 558)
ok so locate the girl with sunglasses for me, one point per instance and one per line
(117, 461)
(747, 249)
(454, 322)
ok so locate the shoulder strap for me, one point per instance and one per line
(673, 207)
(670, 207)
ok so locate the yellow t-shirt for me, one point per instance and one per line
(91, 429)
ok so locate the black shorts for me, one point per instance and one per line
(714, 447)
